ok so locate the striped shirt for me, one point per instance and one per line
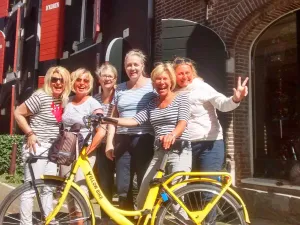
(129, 102)
(165, 120)
(107, 110)
(47, 114)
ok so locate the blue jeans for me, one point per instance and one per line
(133, 154)
(208, 156)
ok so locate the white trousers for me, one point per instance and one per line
(41, 167)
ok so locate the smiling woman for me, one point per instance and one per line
(44, 109)
(80, 105)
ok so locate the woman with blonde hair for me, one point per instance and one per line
(168, 114)
(107, 78)
(132, 147)
(44, 109)
(204, 128)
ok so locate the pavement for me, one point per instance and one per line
(5, 189)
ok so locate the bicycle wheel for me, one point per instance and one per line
(196, 196)
(21, 205)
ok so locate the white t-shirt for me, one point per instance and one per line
(75, 113)
(204, 124)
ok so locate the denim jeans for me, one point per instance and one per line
(41, 167)
(208, 156)
(133, 154)
(176, 162)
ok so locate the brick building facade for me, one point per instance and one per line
(239, 24)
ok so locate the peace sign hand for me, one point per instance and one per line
(241, 90)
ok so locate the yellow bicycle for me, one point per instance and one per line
(198, 199)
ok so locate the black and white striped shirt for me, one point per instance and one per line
(107, 108)
(131, 101)
(165, 120)
(107, 111)
(47, 113)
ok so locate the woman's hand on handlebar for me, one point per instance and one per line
(167, 140)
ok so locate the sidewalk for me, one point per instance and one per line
(267, 222)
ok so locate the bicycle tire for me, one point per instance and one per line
(10, 207)
(234, 212)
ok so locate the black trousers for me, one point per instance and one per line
(133, 154)
(106, 170)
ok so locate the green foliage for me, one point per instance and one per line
(6, 142)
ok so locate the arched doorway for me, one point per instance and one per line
(276, 97)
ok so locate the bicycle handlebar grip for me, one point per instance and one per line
(110, 120)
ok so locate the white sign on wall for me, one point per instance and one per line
(52, 6)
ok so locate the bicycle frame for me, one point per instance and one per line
(151, 206)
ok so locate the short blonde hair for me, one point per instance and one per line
(164, 68)
(65, 74)
(104, 67)
(138, 53)
(79, 72)
(186, 61)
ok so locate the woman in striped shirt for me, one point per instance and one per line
(133, 147)
(168, 113)
(107, 78)
(44, 109)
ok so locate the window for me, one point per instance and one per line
(276, 98)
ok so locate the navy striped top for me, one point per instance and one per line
(165, 120)
(129, 102)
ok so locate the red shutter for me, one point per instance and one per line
(17, 42)
(41, 81)
(2, 54)
(52, 28)
(4, 8)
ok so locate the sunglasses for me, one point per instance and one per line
(182, 60)
(56, 79)
(79, 80)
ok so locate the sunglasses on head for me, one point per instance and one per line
(56, 79)
(182, 60)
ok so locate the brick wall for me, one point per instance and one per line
(239, 23)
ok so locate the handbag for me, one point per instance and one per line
(64, 148)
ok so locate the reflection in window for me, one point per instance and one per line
(276, 98)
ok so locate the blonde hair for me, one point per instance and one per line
(79, 72)
(164, 68)
(65, 74)
(104, 67)
(186, 61)
(138, 53)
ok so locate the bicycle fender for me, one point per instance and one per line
(207, 180)
(74, 185)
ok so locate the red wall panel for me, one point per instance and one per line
(52, 21)
(4, 8)
(2, 54)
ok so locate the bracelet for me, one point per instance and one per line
(30, 133)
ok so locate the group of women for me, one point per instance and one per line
(174, 107)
